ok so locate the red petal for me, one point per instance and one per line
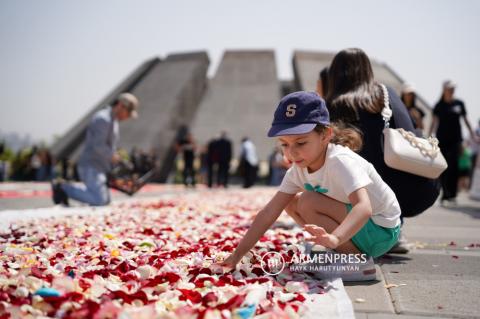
(209, 298)
(192, 295)
(234, 302)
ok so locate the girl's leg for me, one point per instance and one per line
(318, 209)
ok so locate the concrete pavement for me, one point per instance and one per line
(440, 277)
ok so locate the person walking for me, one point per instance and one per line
(446, 124)
(98, 155)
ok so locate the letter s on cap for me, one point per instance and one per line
(291, 109)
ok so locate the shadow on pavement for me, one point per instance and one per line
(392, 259)
(473, 211)
(361, 283)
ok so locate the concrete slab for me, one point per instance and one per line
(448, 228)
(434, 284)
(376, 297)
(390, 316)
(241, 99)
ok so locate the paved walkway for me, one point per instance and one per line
(440, 277)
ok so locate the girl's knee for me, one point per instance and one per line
(305, 202)
(291, 208)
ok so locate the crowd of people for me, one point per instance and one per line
(215, 162)
(27, 164)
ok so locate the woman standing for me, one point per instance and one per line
(446, 125)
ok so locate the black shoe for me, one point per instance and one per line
(55, 193)
(58, 194)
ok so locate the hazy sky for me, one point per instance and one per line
(59, 58)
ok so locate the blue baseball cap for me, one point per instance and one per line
(299, 113)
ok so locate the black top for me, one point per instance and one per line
(220, 150)
(449, 129)
(187, 148)
(414, 193)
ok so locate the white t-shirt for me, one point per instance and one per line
(343, 173)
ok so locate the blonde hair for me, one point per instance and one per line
(344, 135)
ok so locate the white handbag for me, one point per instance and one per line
(406, 152)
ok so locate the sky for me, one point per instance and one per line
(58, 59)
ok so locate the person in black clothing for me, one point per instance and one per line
(225, 156)
(446, 125)
(219, 155)
(187, 146)
(355, 99)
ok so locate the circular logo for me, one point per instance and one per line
(272, 263)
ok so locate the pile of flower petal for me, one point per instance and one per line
(149, 260)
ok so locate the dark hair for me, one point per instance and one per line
(351, 86)
(344, 135)
(323, 77)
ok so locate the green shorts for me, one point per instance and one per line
(375, 240)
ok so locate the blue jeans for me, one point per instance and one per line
(94, 191)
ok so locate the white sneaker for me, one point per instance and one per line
(358, 271)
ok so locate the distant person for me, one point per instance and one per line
(219, 156)
(187, 147)
(464, 167)
(203, 171)
(213, 158)
(322, 83)
(224, 147)
(3, 163)
(354, 99)
(475, 146)
(249, 160)
(46, 170)
(409, 98)
(35, 164)
(98, 155)
(446, 124)
(278, 167)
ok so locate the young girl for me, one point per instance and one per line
(332, 192)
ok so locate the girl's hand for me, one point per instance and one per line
(321, 237)
(230, 262)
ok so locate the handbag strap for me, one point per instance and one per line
(409, 136)
(431, 152)
(386, 111)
